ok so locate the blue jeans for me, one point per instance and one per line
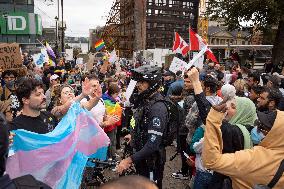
(202, 180)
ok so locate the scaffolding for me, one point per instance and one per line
(134, 25)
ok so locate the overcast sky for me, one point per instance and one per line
(80, 15)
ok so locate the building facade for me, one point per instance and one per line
(19, 23)
(218, 35)
(148, 24)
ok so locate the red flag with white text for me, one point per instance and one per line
(197, 44)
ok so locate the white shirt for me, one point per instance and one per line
(98, 111)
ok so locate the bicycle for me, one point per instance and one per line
(94, 176)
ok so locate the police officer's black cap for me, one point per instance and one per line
(146, 73)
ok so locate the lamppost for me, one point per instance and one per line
(191, 18)
(56, 30)
(62, 27)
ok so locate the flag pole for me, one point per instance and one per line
(40, 42)
(189, 44)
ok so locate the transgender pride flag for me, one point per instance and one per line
(58, 158)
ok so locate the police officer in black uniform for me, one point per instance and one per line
(151, 118)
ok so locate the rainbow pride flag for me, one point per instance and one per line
(58, 158)
(100, 45)
(112, 108)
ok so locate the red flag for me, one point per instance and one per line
(211, 56)
(197, 43)
(180, 46)
(194, 42)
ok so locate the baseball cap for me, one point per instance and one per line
(53, 77)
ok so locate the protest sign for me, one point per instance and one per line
(195, 61)
(79, 61)
(199, 62)
(130, 89)
(178, 65)
(10, 56)
(69, 54)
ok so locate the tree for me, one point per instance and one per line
(262, 14)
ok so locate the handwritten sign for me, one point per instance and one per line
(178, 65)
(10, 56)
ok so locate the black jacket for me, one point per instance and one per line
(233, 139)
(150, 123)
(23, 182)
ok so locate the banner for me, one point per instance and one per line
(10, 56)
(58, 158)
(178, 65)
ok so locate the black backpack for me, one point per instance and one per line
(175, 114)
(29, 182)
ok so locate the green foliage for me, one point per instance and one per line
(262, 13)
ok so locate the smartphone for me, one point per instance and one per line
(186, 155)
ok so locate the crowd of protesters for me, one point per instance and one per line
(232, 115)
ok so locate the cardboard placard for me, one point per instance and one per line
(10, 56)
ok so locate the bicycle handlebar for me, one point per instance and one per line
(108, 163)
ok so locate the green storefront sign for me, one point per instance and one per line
(21, 23)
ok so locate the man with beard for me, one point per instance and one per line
(32, 99)
(186, 103)
(253, 79)
(269, 99)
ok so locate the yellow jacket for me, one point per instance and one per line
(248, 167)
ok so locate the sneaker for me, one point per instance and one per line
(179, 175)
